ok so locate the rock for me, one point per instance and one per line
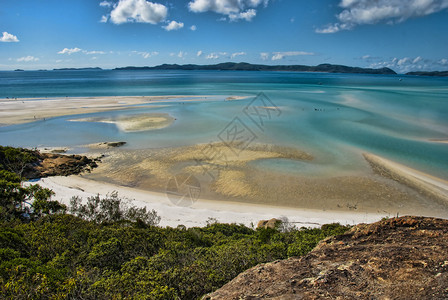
(51, 164)
(399, 258)
(272, 223)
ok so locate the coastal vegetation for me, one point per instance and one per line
(107, 249)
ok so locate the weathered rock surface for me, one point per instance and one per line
(399, 258)
(50, 164)
(272, 223)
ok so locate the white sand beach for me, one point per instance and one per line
(201, 210)
(24, 110)
(390, 188)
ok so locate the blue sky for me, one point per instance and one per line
(404, 35)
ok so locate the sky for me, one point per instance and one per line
(404, 35)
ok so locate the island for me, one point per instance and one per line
(429, 73)
(231, 66)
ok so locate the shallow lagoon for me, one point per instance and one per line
(333, 116)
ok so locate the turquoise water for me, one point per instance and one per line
(332, 116)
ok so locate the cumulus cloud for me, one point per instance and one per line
(359, 12)
(237, 54)
(264, 55)
(212, 56)
(193, 28)
(140, 11)
(173, 25)
(199, 53)
(106, 4)
(69, 51)
(234, 9)
(8, 38)
(409, 64)
(104, 19)
(247, 15)
(282, 55)
(27, 58)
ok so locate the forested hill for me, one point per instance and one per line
(231, 66)
(433, 73)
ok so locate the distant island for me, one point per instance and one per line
(231, 66)
(78, 69)
(430, 73)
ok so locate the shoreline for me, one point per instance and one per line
(201, 210)
(27, 110)
(241, 193)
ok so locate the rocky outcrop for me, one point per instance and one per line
(399, 258)
(272, 223)
(50, 164)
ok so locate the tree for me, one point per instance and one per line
(111, 209)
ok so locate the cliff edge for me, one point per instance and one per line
(399, 258)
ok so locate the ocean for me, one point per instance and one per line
(333, 116)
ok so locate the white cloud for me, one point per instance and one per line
(106, 4)
(403, 61)
(247, 15)
(212, 56)
(234, 9)
(145, 54)
(181, 54)
(8, 38)
(140, 11)
(237, 54)
(282, 55)
(28, 58)
(104, 19)
(193, 28)
(199, 53)
(173, 25)
(359, 12)
(417, 59)
(93, 52)
(264, 55)
(69, 51)
(407, 64)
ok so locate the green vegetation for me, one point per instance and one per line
(107, 249)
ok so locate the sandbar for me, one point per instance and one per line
(426, 184)
(228, 177)
(25, 110)
(134, 123)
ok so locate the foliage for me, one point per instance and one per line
(111, 209)
(65, 257)
(16, 160)
(24, 203)
(107, 249)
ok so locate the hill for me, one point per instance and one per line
(400, 258)
(231, 66)
(432, 73)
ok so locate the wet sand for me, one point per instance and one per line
(229, 177)
(135, 123)
(227, 173)
(17, 111)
